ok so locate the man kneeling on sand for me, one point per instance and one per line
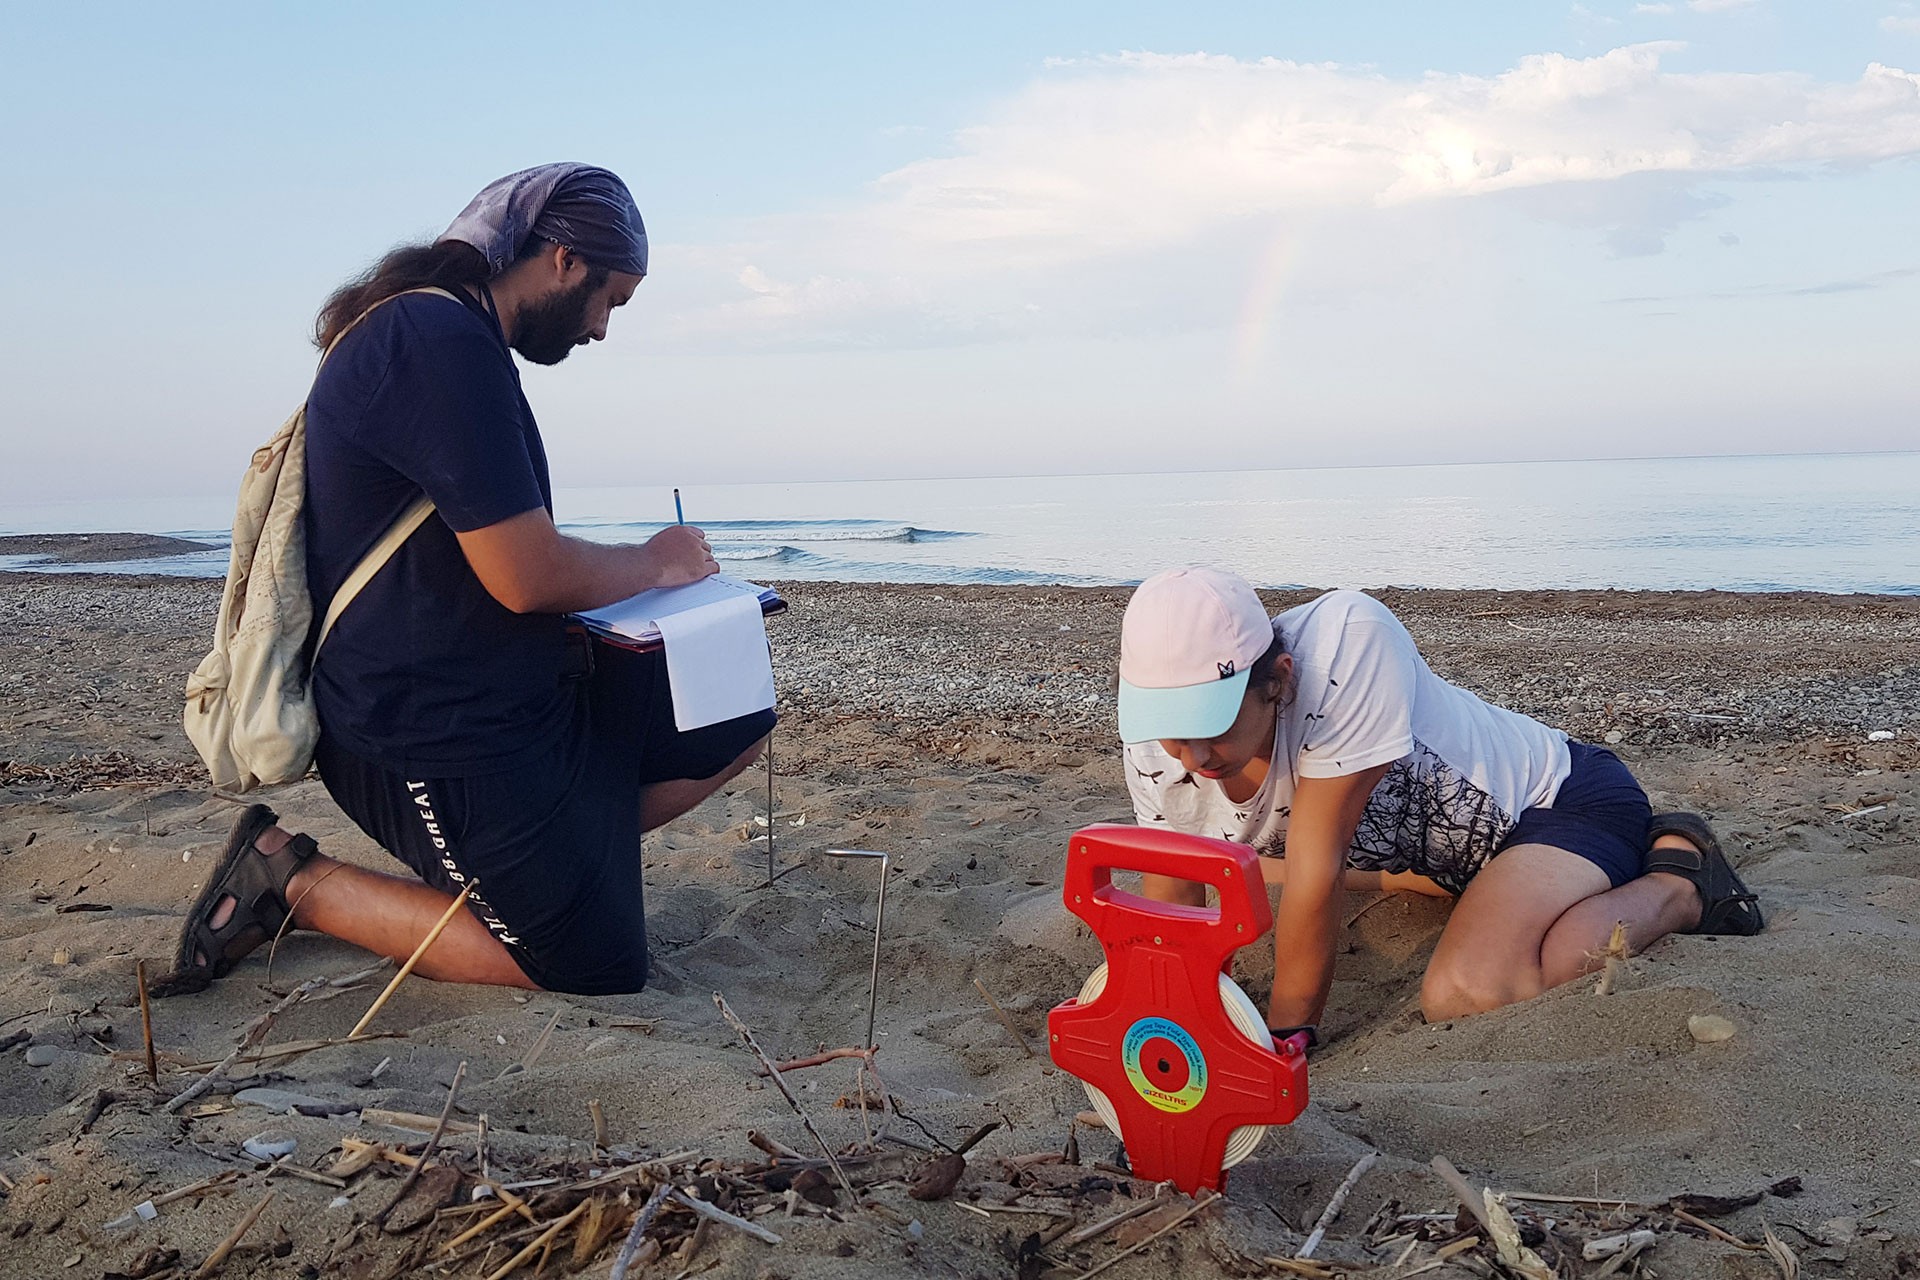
(1320, 738)
(463, 726)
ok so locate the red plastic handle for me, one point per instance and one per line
(1117, 917)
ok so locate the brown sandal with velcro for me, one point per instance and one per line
(256, 885)
(1727, 906)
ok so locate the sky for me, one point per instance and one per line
(894, 240)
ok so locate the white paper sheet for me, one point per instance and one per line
(638, 617)
(718, 666)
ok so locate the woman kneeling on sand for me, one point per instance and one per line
(1321, 739)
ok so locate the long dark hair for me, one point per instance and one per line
(449, 264)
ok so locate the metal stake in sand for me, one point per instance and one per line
(879, 923)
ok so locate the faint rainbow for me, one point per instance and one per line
(1265, 287)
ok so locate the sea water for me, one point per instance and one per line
(1840, 523)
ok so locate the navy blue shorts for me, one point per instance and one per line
(1601, 813)
(554, 844)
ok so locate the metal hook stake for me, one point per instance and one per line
(879, 923)
(770, 822)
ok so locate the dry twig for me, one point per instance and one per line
(1334, 1205)
(644, 1219)
(251, 1036)
(1206, 1200)
(218, 1257)
(1005, 1021)
(433, 1141)
(459, 900)
(740, 1028)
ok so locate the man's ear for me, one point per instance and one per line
(560, 263)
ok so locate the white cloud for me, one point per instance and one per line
(1657, 10)
(1719, 6)
(1124, 159)
(1900, 25)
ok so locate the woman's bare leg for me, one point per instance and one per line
(1538, 916)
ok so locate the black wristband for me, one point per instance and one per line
(1312, 1030)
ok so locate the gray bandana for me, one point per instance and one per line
(587, 209)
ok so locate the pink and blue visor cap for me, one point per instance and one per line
(1188, 642)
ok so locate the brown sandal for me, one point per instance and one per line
(256, 885)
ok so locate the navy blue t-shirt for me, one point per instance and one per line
(425, 672)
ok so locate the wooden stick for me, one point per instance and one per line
(506, 1210)
(433, 1140)
(599, 1118)
(1592, 1202)
(1206, 1201)
(294, 1048)
(1617, 955)
(740, 1028)
(715, 1214)
(1469, 1199)
(459, 899)
(218, 1257)
(1724, 1236)
(539, 1047)
(644, 1219)
(412, 1120)
(815, 1059)
(539, 1242)
(1334, 1205)
(146, 1020)
(281, 1166)
(1005, 1021)
(1074, 1239)
(251, 1036)
(773, 1146)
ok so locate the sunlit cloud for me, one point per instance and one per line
(1123, 158)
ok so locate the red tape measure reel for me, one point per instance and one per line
(1160, 1033)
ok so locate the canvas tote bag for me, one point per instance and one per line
(249, 710)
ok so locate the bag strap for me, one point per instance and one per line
(390, 542)
(371, 563)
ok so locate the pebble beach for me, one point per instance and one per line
(968, 732)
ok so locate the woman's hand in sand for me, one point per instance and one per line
(677, 555)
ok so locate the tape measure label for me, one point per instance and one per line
(1164, 1064)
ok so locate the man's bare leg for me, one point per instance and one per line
(389, 915)
(662, 802)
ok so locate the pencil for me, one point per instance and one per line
(679, 516)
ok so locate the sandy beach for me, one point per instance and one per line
(968, 732)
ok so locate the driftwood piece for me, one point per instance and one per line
(538, 1244)
(1005, 1021)
(714, 1214)
(146, 1020)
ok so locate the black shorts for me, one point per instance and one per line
(1600, 813)
(554, 844)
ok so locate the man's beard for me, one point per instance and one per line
(547, 331)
